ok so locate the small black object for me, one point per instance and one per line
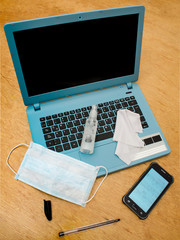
(47, 209)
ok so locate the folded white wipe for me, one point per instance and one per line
(128, 125)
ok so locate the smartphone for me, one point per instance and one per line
(148, 190)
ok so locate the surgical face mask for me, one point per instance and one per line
(57, 174)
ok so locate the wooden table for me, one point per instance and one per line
(22, 215)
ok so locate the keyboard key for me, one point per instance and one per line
(85, 114)
(66, 146)
(138, 110)
(100, 130)
(69, 124)
(142, 118)
(79, 141)
(114, 119)
(72, 137)
(49, 123)
(42, 119)
(46, 130)
(48, 117)
(66, 132)
(58, 134)
(78, 110)
(64, 119)
(105, 109)
(113, 126)
(49, 136)
(112, 107)
(50, 143)
(72, 112)
(130, 109)
(71, 117)
(80, 128)
(101, 123)
(57, 141)
(43, 124)
(78, 115)
(111, 102)
(106, 104)
(108, 121)
(77, 123)
(73, 130)
(59, 148)
(74, 144)
(55, 128)
(118, 106)
(57, 121)
(62, 126)
(100, 105)
(99, 110)
(124, 104)
(83, 121)
(66, 113)
(104, 115)
(104, 136)
(79, 135)
(107, 128)
(98, 117)
(64, 139)
(131, 103)
(148, 141)
(145, 125)
(157, 138)
(54, 115)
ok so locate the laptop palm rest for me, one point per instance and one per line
(112, 162)
(108, 150)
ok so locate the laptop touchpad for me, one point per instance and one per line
(103, 155)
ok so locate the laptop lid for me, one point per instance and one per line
(59, 56)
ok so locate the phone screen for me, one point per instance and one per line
(148, 190)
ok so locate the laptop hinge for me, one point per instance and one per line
(129, 85)
(36, 106)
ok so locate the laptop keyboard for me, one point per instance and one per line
(64, 131)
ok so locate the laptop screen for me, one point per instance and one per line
(72, 54)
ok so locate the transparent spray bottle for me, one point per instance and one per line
(88, 140)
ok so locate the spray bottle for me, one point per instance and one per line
(88, 140)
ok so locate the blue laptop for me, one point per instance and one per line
(65, 64)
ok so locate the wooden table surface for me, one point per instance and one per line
(21, 213)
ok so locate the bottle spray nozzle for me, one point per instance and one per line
(93, 112)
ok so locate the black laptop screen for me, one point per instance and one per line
(67, 55)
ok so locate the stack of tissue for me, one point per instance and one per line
(128, 125)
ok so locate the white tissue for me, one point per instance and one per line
(128, 125)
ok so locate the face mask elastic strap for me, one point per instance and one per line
(7, 161)
(99, 184)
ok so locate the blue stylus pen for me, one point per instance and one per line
(87, 227)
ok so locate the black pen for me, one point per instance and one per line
(80, 229)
